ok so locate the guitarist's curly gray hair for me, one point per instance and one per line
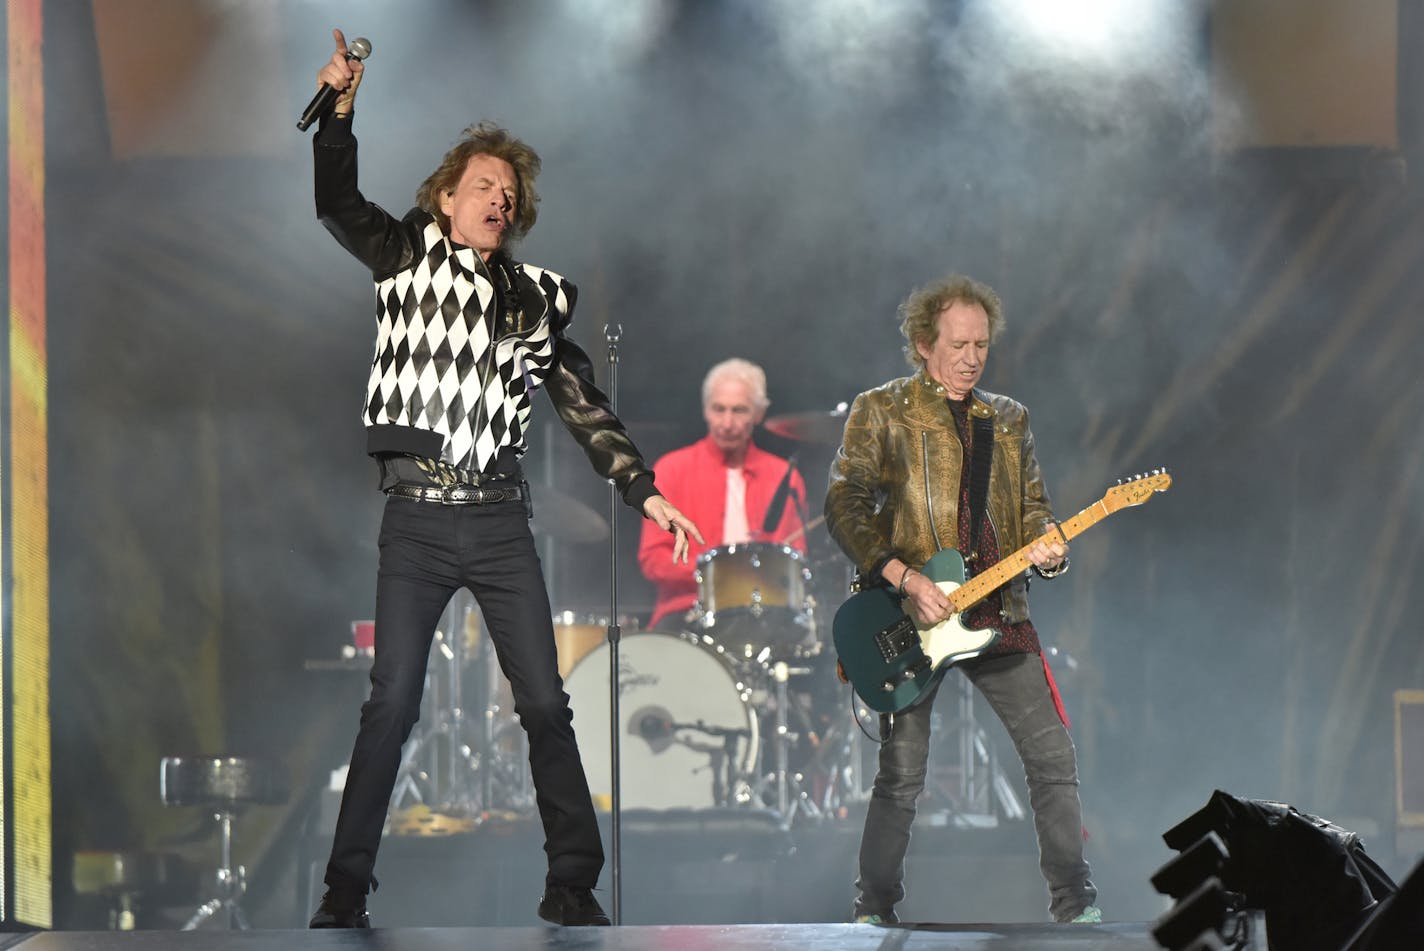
(919, 313)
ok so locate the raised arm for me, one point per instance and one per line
(378, 240)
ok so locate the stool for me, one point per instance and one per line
(223, 784)
(125, 880)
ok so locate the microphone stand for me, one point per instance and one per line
(799, 504)
(612, 333)
(777, 507)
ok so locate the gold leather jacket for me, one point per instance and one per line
(894, 484)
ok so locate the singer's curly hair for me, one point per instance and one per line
(486, 138)
(919, 314)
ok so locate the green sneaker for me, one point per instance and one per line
(1091, 915)
(869, 920)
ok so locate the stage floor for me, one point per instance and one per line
(809, 937)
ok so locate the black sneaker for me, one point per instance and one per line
(339, 910)
(565, 905)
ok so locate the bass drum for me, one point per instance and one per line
(687, 732)
(576, 634)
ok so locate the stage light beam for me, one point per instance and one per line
(1107, 31)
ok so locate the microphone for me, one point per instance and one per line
(777, 506)
(326, 96)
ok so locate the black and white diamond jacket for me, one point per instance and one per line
(456, 361)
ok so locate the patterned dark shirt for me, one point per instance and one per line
(1019, 637)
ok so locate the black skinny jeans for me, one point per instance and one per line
(428, 551)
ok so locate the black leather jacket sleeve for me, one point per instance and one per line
(589, 418)
(377, 239)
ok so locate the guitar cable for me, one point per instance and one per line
(886, 721)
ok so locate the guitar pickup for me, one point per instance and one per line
(897, 639)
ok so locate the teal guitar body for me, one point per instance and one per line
(890, 661)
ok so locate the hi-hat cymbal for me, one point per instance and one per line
(822, 427)
(565, 518)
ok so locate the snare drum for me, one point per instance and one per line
(688, 733)
(753, 596)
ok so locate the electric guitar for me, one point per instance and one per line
(893, 663)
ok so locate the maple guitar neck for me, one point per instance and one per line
(983, 584)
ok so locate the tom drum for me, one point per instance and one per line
(752, 596)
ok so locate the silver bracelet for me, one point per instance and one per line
(903, 578)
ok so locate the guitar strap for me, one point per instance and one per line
(981, 459)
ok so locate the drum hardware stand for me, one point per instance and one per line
(838, 754)
(728, 783)
(410, 775)
(446, 778)
(415, 782)
(611, 334)
(502, 779)
(487, 718)
(851, 737)
(780, 673)
(783, 739)
(459, 758)
(852, 749)
(420, 746)
(844, 770)
(231, 884)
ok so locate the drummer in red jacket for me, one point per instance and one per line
(727, 485)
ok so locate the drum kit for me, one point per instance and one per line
(730, 710)
(737, 707)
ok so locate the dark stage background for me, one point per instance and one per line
(1186, 285)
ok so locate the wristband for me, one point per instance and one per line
(903, 578)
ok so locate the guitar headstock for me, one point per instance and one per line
(1134, 490)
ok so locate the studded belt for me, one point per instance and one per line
(458, 494)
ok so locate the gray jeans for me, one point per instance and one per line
(1017, 689)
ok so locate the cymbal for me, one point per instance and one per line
(565, 518)
(822, 427)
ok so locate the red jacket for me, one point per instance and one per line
(694, 479)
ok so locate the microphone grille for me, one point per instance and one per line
(359, 48)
